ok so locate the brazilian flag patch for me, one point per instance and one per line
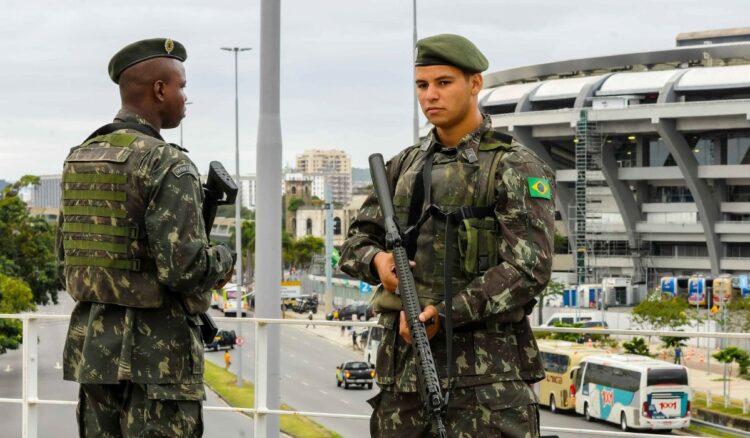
(539, 188)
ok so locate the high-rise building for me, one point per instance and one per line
(332, 167)
(47, 193)
(324, 161)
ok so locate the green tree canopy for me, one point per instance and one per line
(733, 354)
(15, 297)
(636, 346)
(27, 244)
(664, 314)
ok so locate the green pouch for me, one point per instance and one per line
(384, 301)
(477, 245)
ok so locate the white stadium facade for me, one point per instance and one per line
(652, 154)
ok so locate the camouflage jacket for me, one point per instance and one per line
(492, 339)
(158, 343)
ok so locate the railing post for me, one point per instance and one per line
(744, 406)
(260, 380)
(30, 394)
(708, 398)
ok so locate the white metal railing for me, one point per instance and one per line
(30, 399)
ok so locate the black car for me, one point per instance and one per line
(223, 338)
(363, 311)
(355, 373)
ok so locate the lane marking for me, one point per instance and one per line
(323, 392)
(305, 383)
(287, 376)
(345, 401)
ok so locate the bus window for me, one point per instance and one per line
(626, 379)
(668, 376)
(555, 363)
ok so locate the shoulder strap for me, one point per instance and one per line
(116, 126)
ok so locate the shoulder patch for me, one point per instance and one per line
(185, 168)
(539, 188)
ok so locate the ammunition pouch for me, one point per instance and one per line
(477, 245)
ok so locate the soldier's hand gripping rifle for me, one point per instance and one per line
(219, 189)
(429, 383)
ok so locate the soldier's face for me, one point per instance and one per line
(446, 94)
(174, 97)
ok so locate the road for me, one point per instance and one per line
(60, 421)
(308, 365)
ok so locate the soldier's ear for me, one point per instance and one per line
(159, 90)
(477, 82)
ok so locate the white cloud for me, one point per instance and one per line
(346, 74)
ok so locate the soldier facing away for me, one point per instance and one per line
(499, 258)
(136, 259)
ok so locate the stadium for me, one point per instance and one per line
(651, 151)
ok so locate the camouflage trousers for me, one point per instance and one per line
(125, 410)
(400, 415)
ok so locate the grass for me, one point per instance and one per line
(224, 383)
(717, 404)
(707, 431)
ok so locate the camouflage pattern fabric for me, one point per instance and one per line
(137, 410)
(488, 411)
(149, 357)
(492, 339)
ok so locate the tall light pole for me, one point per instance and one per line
(181, 143)
(238, 203)
(414, 73)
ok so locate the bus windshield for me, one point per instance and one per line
(667, 376)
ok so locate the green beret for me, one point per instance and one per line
(140, 51)
(449, 49)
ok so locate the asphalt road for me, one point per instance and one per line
(308, 383)
(60, 421)
(308, 365)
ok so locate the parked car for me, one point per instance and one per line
(363, 311)
(223, 338)
(355, 373)
(568, 318)
(306, 303)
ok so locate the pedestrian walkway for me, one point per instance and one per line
(330, 333)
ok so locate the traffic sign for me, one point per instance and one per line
(239, 341)
(715, 309)
(365, 287)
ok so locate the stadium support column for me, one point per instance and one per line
(708, 208)
(524, 135)
(268, 219)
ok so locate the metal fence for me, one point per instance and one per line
(30, 400)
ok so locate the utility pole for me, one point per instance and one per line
(268, 220)
(414, 73)
(237, 204)
(329, 248)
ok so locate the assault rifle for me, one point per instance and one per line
(429, 383)
(219, 189)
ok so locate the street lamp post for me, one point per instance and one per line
(238, 203)
(181, 143)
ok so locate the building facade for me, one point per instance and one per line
(332, 167)
(47, 193)
(652, 154)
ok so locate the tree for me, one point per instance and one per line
(670, 314)
(733, 354)
(230, 211)
(248, 246)
(553, 288)
(673, 341)
(305, 248)
(636, 346)
(729, 355)
(27, 244)
(295, 204)
(15, 297)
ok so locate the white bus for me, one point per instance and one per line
(370, 351)
(637, 392)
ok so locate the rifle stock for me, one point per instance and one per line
(429, 383)
(219, 189)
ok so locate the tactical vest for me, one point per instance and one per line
(467, 191)
(104, 203)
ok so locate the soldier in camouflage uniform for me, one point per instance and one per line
(502, 260)
(136, 259)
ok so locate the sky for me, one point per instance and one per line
(346, 65)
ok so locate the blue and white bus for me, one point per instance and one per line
(637, 392)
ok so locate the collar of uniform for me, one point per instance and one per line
(468, 147)
(128, 116)
(428, 141)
